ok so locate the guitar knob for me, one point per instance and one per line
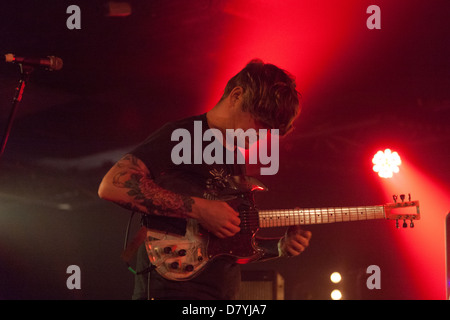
(174, 265)
(189, 268)
(182, 252)
(167, 250)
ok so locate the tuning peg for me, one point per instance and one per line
(402, 197)
(409, 196)
(411, 224)
(405, 225)
(395, 198)
(396, 223)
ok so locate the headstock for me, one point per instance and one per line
(403, 210)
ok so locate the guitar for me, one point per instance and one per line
(182, 258)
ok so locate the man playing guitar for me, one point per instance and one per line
(185, 201)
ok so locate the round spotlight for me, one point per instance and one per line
(336, 294)
(386, 163)
(335, 277)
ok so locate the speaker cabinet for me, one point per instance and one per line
(261, 285)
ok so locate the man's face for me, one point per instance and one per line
(245, 121)
(244, 124)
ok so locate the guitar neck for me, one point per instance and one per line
(292, 217)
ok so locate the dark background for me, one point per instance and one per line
(123, 77)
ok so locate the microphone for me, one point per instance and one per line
(51, 63)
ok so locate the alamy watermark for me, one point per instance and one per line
(374, 20)
(190, 149)
(74, 280)
(374, 280)
(74, 20)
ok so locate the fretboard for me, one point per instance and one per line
(292, 217)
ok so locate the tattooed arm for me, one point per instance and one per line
(129, 184)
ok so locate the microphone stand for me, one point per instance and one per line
(25, 72)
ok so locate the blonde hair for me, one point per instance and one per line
(270, 94)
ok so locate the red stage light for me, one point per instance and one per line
(386, 163)
(422, 248)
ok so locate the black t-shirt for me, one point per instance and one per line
(221, 278)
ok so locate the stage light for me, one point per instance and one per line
(423, 247)
(335, 277)
(386, 163)
(336, 294)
